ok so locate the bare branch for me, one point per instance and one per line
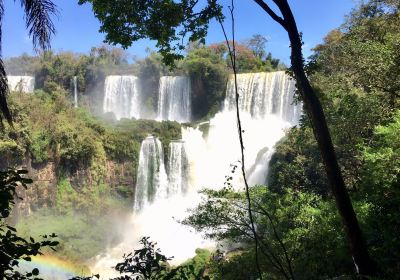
(232, 55)
(271, 13)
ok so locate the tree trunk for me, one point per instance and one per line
(362, 260)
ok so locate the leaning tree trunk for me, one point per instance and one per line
(363, 262)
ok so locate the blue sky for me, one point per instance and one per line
(77, 28)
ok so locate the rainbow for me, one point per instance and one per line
(53, 268)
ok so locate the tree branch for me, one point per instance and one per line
(232, 55)
(271, 13)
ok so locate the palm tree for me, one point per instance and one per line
(37, 15)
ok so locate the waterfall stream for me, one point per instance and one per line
(151, 181)
(177, 169)
(174, 99)
(75, 82)
(264, 94)
(25, 84)
(122, 96)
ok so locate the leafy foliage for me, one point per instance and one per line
(295, 229)
(166, 22)
(381, 189)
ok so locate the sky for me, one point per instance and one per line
(78, 29)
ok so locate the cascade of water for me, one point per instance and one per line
(266, 101)
(152, 179)
(215, 155)
(25, 84)
(174, 99)
(122, 96)
(264, 94)
(177, 168)
(75, 81)
(258, 172)
(267, 109)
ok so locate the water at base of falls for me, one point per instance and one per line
(159, 221)
(197, 162)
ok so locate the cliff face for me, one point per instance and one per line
(42, 192)
(119, 176)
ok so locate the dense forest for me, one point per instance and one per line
(84, 163)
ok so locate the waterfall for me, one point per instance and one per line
(25, 84)
(204, 161)
(122, 96)
(75, 81)
(266, 101)
(174, 99)
(264, 94)
(258, 172)
(177, 168)
(152, 179)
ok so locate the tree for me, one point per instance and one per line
(363, 262)
(257, 44)
(40, 27)
(168, 21)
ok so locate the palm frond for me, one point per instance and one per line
(38, 17)
(4, 111)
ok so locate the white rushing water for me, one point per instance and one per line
(75, 82)
(122, 96)
(174, 99)
(24, 84)
(152, 180)
(264, 94)
(195, 162)
(178, 169)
